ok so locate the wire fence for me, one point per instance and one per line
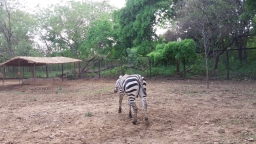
(87, 69)
(230, 66)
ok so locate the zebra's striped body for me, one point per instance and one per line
(133, 86)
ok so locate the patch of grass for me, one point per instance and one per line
(3, 91)
(33, 99)
(254, 123)
(170, 90)
(18, 92)
(104, 90)
(26, 128)
(234, 121)
(250, 101)
(59, 89)
(191, 92)
(88, 114)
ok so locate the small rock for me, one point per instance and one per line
(35, 130)
(52, 136)
(250, 139)
(216, 143)
(206, 122)
(221, 130)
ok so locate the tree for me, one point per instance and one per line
(223, 22)
(138, 19)
(215, 24)
(65, 27)
(173, 51)
(16, 30)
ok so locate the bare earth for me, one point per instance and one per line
(86, 111)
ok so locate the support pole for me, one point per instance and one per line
(23, 72)
(3, 74)
(13, 73)
(19, 71)
(99, 67)
(227, 65)
(79, 70)
(150, 68)
(62, 72)
(46, 70)
(184, 68)
(74, 70)
(34, 73)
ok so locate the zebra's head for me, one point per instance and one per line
(117, 84)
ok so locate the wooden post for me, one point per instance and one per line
(46, 70)
(62, 72)
(184, 67)
(23, 72)
(150, 68)
(121, 65)
(13, 73)
(34, 73)
(3, 74)
(74, 70)
(227, 65)
(79, 70)
(19, 71)
(99, 67)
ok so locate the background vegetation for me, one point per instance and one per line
(203, 37)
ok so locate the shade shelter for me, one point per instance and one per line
(37, 61)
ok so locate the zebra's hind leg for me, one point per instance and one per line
(135, 109)
(144, 104)
(120, 103)
(130, 111)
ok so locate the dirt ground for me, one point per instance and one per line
(86, 111)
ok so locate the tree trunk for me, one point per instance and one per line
(178, 67)
(217, 58)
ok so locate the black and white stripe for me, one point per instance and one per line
(133, 86)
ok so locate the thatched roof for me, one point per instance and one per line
(38, 61)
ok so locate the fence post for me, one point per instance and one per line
(150, 68)
(79, 70)
(46, 69)
(99, 67)
(23, 72)
(121, 65)
(62, 72)
(184, 67)
(227, 65)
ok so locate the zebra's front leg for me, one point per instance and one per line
(135, 109)
(120, 103)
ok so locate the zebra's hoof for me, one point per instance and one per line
(119, 111)
(134, 122)
(146, 121)
(130, 115)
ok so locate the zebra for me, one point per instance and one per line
(132, 86)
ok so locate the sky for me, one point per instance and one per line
(31, 4)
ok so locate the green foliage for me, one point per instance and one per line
(163, 70)
(88, 114)
(137, 20)
(75, 28)
(157, 55)
(16, 31)
(99, 38)
(168, 53)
